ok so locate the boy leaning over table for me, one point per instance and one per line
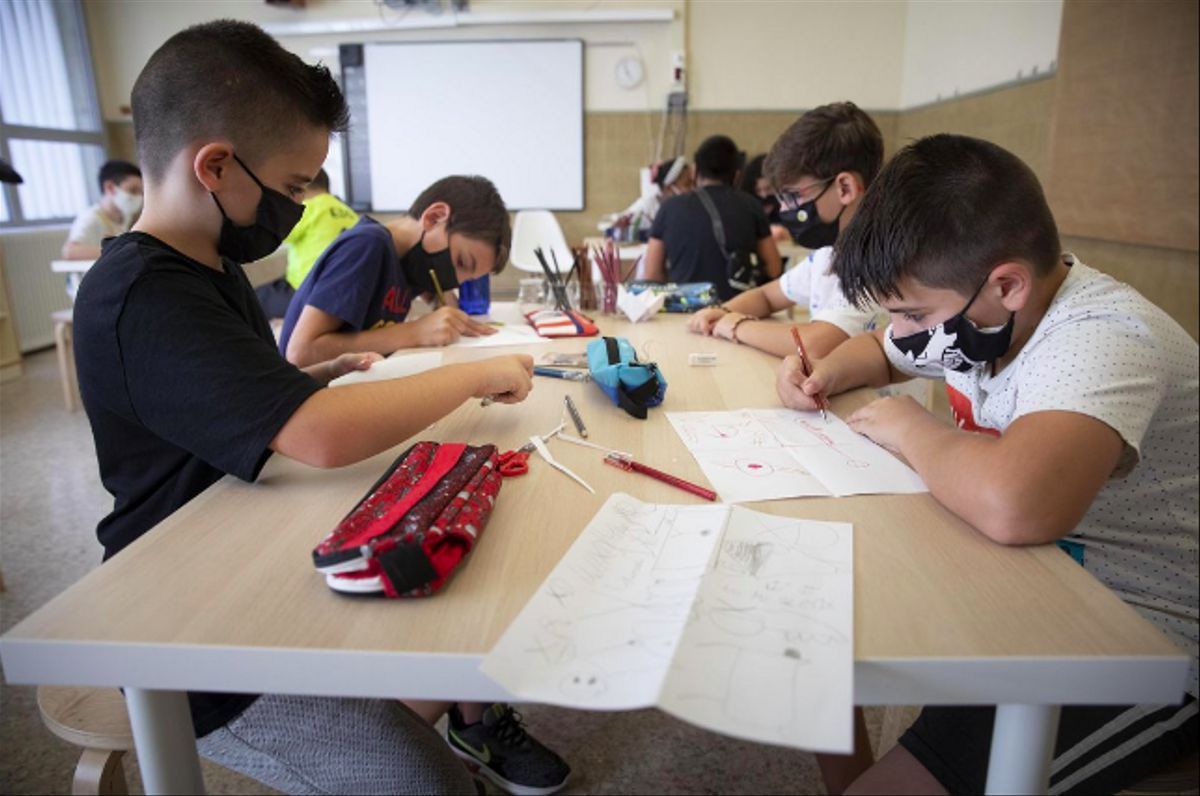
(1075, 402)
(821, 167)
(182, 383)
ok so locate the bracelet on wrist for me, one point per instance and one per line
(733, 331)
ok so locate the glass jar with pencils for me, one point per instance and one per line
(606, 297)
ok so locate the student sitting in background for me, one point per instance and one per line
(360, 290)
(667, 178)
(822, 165)
(683, 243)
(753, 182)
(325, 216)
(120, 202)
(183, 383)
(1075, 404)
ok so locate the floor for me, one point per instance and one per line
(50, 501)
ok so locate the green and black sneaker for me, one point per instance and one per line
(505, 753)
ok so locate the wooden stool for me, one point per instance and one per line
(66, 355)
(96, 720)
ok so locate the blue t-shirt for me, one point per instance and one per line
(358, 279)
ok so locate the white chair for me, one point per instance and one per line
(539, 229)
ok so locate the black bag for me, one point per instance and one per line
(741, 268)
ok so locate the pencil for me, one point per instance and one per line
(806, 363)
(575, 417)
(437, 285)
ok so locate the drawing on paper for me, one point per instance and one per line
(793, 454)
(734, 620)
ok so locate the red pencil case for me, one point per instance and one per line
(557, 323)
(416, 525)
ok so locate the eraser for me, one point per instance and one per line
(702, 359)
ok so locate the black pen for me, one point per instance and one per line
(575, 418)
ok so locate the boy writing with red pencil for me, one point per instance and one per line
(1074, 401)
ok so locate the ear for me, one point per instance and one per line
(1012, 283)
(435, 214)
(211, 165)
(849, 188)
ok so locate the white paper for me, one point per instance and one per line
(509, 334)
(737, 621)
(599, 633)
(772, 454)
(394, 367)
(846, 462)
(639, 306)
(768, 650)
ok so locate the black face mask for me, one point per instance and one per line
(274, 219)
(805, 225)
(954, 344)
(418, 263)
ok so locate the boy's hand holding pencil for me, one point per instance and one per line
(802, 383)
(445, 325)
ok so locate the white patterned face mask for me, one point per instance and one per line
(954, 344)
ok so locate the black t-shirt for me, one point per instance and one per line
(182, 384)
(686, 230)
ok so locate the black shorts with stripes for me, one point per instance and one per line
(1099, 749)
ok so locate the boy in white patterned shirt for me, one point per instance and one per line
(1057, 375)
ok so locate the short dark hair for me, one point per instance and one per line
(748, 182)
(945, 211)
(321, 181)
(228, 79)
(824, 142)
(476, 211)
(116, 171)
(718, 158)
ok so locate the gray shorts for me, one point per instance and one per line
(319, 745)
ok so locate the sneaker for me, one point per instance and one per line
(505, 753)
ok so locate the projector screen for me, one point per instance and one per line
(511, 111)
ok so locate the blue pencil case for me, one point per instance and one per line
(632, 385)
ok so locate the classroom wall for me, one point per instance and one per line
(952, 49)
(765, 55)
(1125, 80)
(1125, 146)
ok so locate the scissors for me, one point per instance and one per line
(514, 463)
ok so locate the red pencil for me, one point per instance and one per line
(806, 363)
(687, 486)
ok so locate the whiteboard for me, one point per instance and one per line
(511, 111)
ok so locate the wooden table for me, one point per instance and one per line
(222, 595)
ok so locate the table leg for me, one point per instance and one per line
(1022, 747)
(165, 741)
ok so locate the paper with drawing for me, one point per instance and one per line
(737, 621)
(768, 454)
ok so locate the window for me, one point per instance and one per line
(49, 118)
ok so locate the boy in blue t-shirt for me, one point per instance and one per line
(358, 294)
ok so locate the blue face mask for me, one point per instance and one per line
(275, 217)
(954, 344)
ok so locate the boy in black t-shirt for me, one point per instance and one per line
(683, 243)
(182, 381)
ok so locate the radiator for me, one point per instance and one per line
(35, 290)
